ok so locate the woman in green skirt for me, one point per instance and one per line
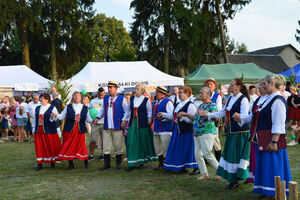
(234, 163)
(140, 147)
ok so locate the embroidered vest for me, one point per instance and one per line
(71, 119)
(44, 120)
(159, 125)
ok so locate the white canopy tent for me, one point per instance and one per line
(21, 78)
(127, 74)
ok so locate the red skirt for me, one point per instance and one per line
(47, 146)
(294, 113)
(74, 145)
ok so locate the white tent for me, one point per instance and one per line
(127, 74)
(21, 78)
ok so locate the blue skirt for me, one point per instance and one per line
(269, 165)
(180, 153)
(4, 123)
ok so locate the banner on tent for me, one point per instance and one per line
(26, 87)
(125, 83)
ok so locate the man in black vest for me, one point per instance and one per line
(57, 103)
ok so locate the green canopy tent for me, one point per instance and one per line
(224, 73)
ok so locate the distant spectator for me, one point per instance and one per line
(284, 93)
(53, 90)
(252, 94)
(4, 123)
(22, 118)
(13, 104)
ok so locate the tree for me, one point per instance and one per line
(111, 40)
(21, 15)
(62, 21)
(189, 30)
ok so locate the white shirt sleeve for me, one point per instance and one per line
(149, 109)
(244, 109)
(54, 110)
(219, 103)
(88, 117)
(278, 117)
(245, 119)
(33, 123)
(124, 105)
(217, 115)
(63, 114)
(127, 113)
(168, 116)
(101, 112)
(191, 110)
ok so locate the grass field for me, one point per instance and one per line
(19, 180)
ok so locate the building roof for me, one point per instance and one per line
(272, 50)
(271, 63)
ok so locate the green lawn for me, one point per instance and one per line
(18, 180)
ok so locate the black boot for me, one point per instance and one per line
(119, 161)
(86, 164)
(71, 165)
(52, 165)
(39, 167)
(218, 155)
(160, 160)
(106, 162)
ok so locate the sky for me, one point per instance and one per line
(261, 24)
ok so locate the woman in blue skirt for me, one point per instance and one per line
(271, 156)
(180, 153)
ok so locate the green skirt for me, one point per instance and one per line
(234, 163)
(140, 147)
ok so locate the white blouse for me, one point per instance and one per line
(245, 119)
(244, 108)
(77, 109)
(43, 109)
(278, 114)
(137, 101)
(191, 110)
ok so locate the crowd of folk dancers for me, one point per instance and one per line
(175, 132)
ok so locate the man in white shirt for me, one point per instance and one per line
(162, 115)
(252, 95)
(97, 130)
(174, 98)
(22, 118)
(53, 90)
(212, 84)
(32, 106)
(113, 109)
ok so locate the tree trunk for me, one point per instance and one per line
(52, 46)
(22, 26)
(167, 28)
(225, 55)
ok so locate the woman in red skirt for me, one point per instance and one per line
(74, 146)
(46, 139)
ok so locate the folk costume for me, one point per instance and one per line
(234, 163)
(180, 154)
(74, 146)
(252, 118)
(162, 128)
(140, 147)
(271, 120)
(46, 140)
(113, 112)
